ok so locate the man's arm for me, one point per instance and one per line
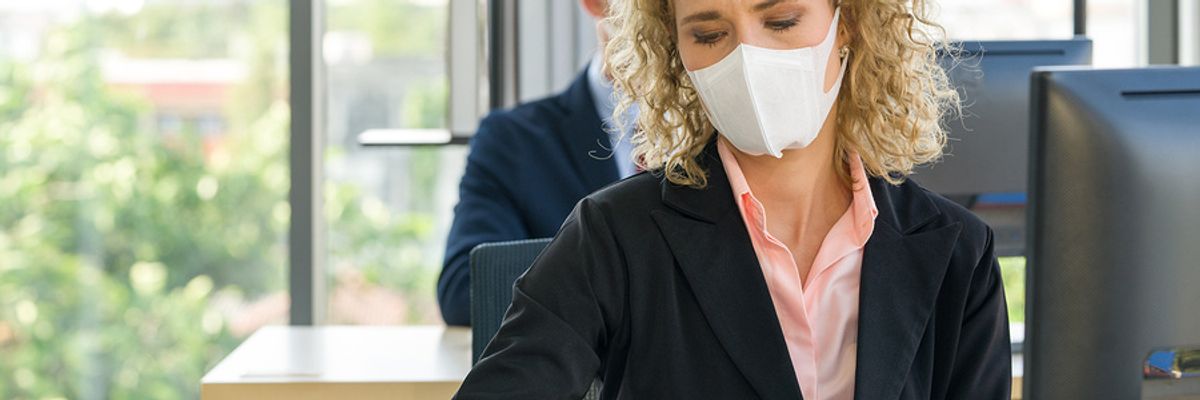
(486, 212)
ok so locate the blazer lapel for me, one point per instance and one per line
(901, 275)
(904, 262)
(586, 143)
(714, 253)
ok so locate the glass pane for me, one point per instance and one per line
(143, 192)
(387, 209)
(1006, 19)
(1116, 26)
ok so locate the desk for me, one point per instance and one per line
(1018, 375)
(331, 362)
(413, 362)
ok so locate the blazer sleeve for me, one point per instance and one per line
(486, 212)
(983, 362)
(564, 310)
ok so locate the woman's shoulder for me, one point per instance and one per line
(974, 231)
(640, 191)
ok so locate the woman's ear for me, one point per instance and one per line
(844, 35)
(595, 8)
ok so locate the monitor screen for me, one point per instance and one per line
(1113, 295)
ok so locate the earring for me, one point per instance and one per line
(844, 51)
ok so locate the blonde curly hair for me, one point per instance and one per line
(889, 109)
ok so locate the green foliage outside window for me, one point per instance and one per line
(1012, 270)
(115, 239)
(126, 254)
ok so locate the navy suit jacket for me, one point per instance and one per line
(526, 170)
(655, 289)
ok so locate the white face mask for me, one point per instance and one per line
(765, 101)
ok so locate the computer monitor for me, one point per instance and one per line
(1114, 249)
(987, 152)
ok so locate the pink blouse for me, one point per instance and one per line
(819, 318)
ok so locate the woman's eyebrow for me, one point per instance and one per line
(768, 4)
(702, 16)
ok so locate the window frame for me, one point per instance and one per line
(306, 246)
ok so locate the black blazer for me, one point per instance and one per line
(527, 168)
(655, 289)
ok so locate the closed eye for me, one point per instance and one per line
(781, 25)
(709, 38)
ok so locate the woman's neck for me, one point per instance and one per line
(802, 191)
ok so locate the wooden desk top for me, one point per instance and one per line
(333, 361)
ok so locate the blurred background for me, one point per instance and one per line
(144, 173)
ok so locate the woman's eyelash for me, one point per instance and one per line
(782, 25)
(709, 39)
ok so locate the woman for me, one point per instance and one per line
(775, 250)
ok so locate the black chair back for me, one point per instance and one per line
(494, 269)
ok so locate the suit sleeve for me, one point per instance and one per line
(983, 362)
(486, 212)
(564, 310)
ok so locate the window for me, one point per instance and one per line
(1005, 19)
(1113, 25)
(143, 192)
(1116, 29)
(387, 209)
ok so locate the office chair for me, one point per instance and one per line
(494, 269)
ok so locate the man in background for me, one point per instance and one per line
(527, 168)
